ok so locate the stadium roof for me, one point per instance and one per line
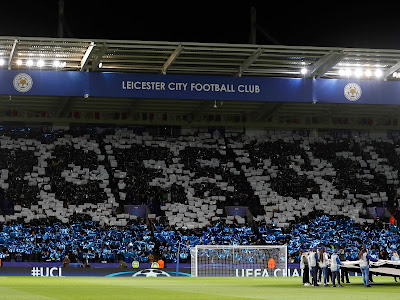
(194, 58)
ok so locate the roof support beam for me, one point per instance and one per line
(391, 70)
(171, 59)
(247, 63)
(62, 111)
(133, 107)
(195, 114)
(265, 111)
(325, 64)
(337, 108)
(12, 53)
(99, 56)
(85, 58)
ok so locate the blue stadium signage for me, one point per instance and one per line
(43, 83)
(198, 87)
(121, 85)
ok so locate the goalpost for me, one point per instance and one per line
(238, 261)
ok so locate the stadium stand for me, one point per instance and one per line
(69, 190)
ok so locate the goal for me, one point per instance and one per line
(238, 261)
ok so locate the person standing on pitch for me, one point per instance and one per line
(323, 264)
(319, 270)
(305, 268)
(343, 273)
(364, 258)
(313, 260)
(335, 268)
(395, 257)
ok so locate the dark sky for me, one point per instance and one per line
(279, 22)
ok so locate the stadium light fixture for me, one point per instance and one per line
(347, 73)
(19, 62)
(358, 72)
(100, 65)
(56, 64)
(303, 71)
(378, 73)
(2, 62)
(40, 63)
(29, 63)
(342, 72)
(368, 73)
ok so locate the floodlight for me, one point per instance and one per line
(29, 63)
(303, 71)
(368, 73)
(56, 64)
(19, 62)
(100, 65)
(40, 63)
(2, 62)
(358, 72)
(378, 73)
(342, 72)
(348, 72)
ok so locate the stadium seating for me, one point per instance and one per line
(84, 240)
(345, 234)
(55, 182)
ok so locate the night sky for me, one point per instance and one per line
(329, 24)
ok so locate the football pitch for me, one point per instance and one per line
(188, 288)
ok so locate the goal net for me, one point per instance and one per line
(238, 261)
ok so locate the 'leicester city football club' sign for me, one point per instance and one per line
(201, 87)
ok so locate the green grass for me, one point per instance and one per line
(188, 288)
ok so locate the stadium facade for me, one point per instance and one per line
(73, 81)
(175, 89)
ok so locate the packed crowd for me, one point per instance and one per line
(82, 241)
(65, 192)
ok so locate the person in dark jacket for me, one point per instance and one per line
(66, 261)
(344, 273)
(122, 264)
